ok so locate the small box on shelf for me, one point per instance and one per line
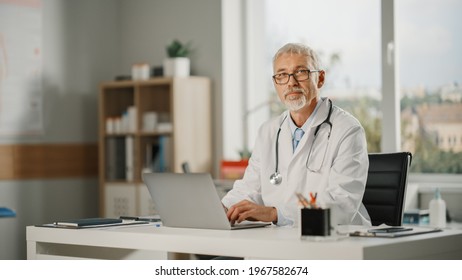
(150, 120)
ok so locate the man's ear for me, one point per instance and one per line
(321, 78)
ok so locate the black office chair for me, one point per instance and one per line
(386, 187)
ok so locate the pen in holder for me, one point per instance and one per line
(315, 222)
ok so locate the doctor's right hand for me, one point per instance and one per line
(247, 210)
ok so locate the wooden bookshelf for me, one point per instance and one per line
(183, 103)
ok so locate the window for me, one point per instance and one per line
(429, 68)
(429, 44)
(347, 38)
(417, 108)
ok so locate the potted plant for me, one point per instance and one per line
(177, 64)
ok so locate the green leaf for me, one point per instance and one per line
(178, 49)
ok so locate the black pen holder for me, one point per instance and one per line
(315, 222)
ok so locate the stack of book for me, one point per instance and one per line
(120, 158)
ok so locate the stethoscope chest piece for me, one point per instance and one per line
(275, 178)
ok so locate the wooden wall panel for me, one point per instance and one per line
(48, 161)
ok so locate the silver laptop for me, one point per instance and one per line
(189, 200)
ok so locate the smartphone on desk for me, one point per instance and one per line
(389, 229)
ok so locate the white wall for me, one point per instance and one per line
(78, 39)
(80, 50)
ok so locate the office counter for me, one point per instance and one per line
(150, 242)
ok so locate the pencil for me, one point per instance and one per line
(302, 200)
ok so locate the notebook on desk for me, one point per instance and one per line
(189, 200)
(392, 234)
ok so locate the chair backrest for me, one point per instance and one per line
(386, 187)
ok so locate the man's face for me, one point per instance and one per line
(297, 94)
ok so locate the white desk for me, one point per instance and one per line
(149, 242)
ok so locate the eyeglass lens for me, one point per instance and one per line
(300, 75)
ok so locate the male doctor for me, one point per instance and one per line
(313, 147)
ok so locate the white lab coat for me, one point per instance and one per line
(339, 183)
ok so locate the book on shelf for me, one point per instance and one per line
(164, 154)
(132, 112)
(129, 158)
(159, 154)
(115, 158)
(152, 149)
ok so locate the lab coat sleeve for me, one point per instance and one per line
(348, 177)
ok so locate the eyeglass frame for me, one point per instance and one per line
(293, 75)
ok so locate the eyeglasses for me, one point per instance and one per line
(299, 75)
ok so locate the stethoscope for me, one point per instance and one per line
(276, 177)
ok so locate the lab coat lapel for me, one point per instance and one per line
(285, 144)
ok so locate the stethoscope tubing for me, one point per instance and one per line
(277, 145)
(276, 178)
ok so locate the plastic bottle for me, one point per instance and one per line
(437, 211)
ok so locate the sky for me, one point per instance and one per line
(428, 38)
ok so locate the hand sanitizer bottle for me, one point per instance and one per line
(437, 211)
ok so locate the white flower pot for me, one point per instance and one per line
(176, 67)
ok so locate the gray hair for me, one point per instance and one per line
(296, 48)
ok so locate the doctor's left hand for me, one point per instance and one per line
(247, 210)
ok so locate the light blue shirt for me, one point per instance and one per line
(307, 123)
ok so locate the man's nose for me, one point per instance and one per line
(292, 80)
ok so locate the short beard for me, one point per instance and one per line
(295, 103)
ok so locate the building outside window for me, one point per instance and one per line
(431, 74)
